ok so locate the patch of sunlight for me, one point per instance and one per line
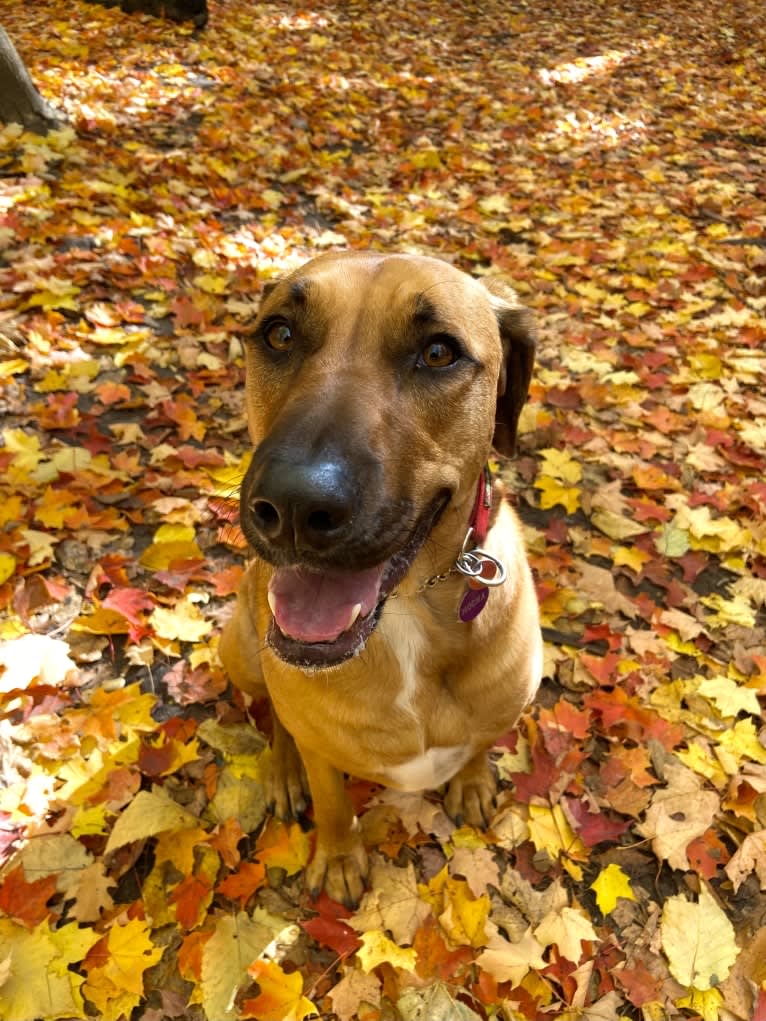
(584, 67)
(611, 129)
(302, 21)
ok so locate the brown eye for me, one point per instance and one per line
(438, 354)
(279, 336)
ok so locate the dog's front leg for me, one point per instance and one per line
(340, 860)
(287, 789)
(471, 793)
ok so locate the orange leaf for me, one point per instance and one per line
(242, 884)
(283, 847)
(281, 995)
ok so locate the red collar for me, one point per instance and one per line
(481, 507)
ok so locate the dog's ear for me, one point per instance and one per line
(519, 337)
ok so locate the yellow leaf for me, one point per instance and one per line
(464, 917)
(12, 367)
(631, 557)
(116, 987)
(729, 611)
(611, 884)
(281, 995)
(377, 949)
(729, 698)
(698, 940)
(148, 814)
(174, 533)
(90, 821)
(638, 308)
(47, 954)
(616, 526)
(211, 284)
(116, 335)
(7, 566)
(741, 742)
(558, 464)
(71, 459)
(553, 493)
(160, 555)
(24, 447)
(707, 1003)
(184, 622)
(11, 510)
(283, 846)
(549, 831)
(102, 621)
(54, 299)
(427, 159)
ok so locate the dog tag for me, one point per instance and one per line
(485, 576)
(472, 604)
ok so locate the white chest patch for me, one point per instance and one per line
(407, 641)
(429, 770)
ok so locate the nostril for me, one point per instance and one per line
(266, 517)
(320, 521)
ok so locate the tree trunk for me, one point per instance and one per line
(20, 102)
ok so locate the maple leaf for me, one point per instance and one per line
(116, 986)
(242, 884)
(43, 951)
(281, 995)
(378, 949)
(611, 884)
(392, 903)
(23, 901)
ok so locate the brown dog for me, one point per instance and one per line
(376, 386)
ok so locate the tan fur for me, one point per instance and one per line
(428, 693)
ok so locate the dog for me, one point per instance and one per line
(389, 611)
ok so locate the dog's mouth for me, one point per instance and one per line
(321, 618)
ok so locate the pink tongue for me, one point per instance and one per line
(313, 606)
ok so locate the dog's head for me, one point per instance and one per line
(376, 386)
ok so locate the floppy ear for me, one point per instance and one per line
(519, 337)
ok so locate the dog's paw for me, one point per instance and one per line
(470, 797)
(287, 790)
(342, 874)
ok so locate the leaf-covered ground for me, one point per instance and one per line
(610, 159)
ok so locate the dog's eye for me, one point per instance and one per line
(278, 336)
(438, 353)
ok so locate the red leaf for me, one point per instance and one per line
(26, 902)
(129, 602)
(329, 929)
(594, 827)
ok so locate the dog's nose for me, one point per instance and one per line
(302, 506)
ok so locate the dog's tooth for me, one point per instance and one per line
(272, 603)
(355, 611)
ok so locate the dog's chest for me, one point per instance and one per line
(438, 758)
